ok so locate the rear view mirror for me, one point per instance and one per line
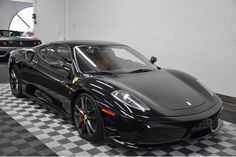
(63, 66)
(153, 60)
(29, 55)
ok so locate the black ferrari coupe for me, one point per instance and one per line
(111, 90)
(11, 40)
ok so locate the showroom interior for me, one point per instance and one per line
(197, 37)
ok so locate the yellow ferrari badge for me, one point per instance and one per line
(75, 79)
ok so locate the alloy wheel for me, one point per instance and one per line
(14, 81)
(85, 116)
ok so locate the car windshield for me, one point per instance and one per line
(111, 59)
(8, 33)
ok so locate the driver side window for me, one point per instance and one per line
(49, 55)
(64, 52)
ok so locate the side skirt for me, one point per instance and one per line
(48, 106)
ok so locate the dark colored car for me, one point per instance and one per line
(11, 40)
(110, 90)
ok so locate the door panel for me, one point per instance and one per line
(53, 83)
(50, 81)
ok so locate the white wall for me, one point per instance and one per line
(195, 36)
(8, 9)
(50, 24)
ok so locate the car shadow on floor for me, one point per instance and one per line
(4, 75)
(4, 60)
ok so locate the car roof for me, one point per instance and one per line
(73, 43)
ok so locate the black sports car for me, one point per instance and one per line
(110, 90)
(11, 40)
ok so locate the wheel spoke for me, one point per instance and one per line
(92, 109)
(85, 101)
(13, 75)
(79, 110)
(82, 103)
(85, 105)
(90, 125)
(88, 129)
(13, 81)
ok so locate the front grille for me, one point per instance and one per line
(198, 125)
(203, 128)
(161, 135)
(204, 124)
(200, 133)
(2, 53)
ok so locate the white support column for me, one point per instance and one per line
(50, 17)
(67, 19)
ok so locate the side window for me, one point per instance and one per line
(49, 55)
(52, 55)
(43, 53)
(64, 52)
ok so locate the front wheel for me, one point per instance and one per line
(15, 82)
(87, 118)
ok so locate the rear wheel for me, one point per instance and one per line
(15, 82)
(87, 118)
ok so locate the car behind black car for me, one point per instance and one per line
(111, 90)
(11, 40)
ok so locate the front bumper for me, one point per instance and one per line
(145, 134)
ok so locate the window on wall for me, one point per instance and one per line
(22, 21)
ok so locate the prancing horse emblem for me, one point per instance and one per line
(21, 43)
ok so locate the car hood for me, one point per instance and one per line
(164, 89)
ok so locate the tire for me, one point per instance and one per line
(87, 118)
(15, 82)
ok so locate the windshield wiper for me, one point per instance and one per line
(140, 70)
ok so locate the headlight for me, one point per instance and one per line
(209, 90)
(129, 100)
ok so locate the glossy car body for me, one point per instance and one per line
(11, 40)
(176, 106)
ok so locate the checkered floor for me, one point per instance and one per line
(61, 138)
(16, 140)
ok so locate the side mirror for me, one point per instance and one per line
(153, 60)
(62, 65)
(57, 64)
(29, 55)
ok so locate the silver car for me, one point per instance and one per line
(11, 40)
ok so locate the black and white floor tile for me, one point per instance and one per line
(50, 134)
(16, 140)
